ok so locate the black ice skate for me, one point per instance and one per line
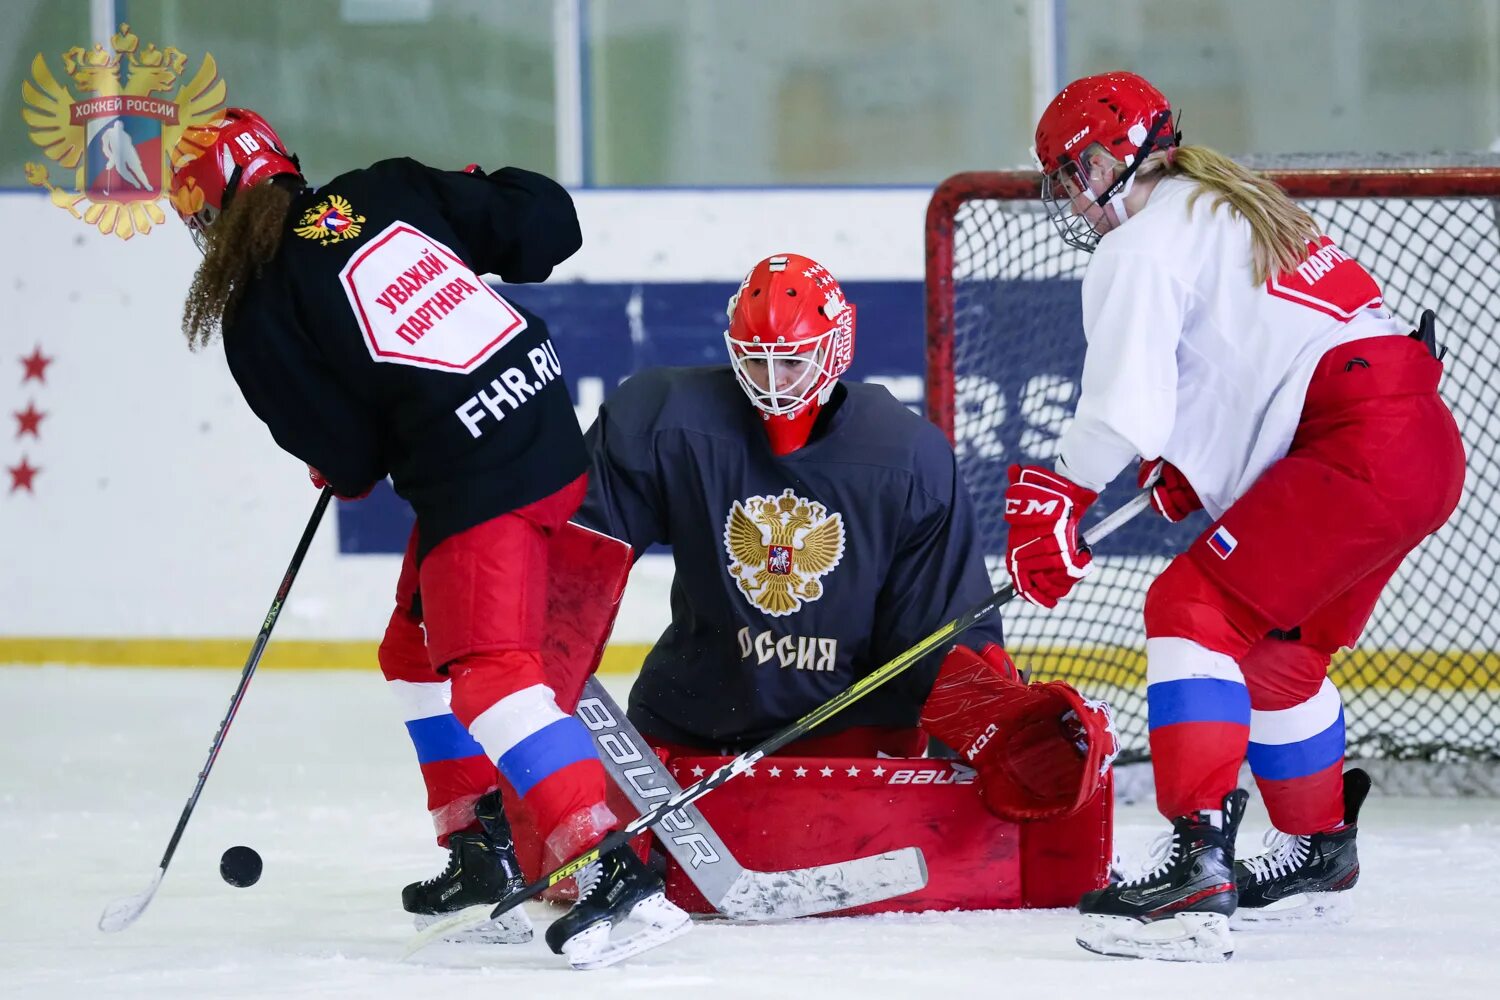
(482, 868)
(613, 889)
(1304, 877)
(1179, 911)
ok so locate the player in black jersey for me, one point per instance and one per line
(358, 328)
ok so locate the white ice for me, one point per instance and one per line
(317, 775)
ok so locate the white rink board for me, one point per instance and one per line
(169, 512)
(318, 776)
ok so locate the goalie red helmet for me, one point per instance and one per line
(238, 150)
(790, 337)
(1091, 129)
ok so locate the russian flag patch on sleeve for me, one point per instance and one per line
(1222, 542)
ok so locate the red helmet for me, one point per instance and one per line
(790, 336)
(1116, 113)
(239, 149)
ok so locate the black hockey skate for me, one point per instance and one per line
(482, 868)
(1179, 911)
(1303, 877)
(613, 889)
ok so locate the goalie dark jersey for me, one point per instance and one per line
(795, 575)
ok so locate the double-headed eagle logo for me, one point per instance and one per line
(122, 142)
(331, 220)
(778, 548)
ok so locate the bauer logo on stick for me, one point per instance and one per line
(120, 138)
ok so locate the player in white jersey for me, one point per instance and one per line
(1252, 366)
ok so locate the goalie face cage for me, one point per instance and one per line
(1004, 357)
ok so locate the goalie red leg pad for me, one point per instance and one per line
(797, 812)
(586, 574)
(1061, 859)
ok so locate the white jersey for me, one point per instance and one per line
(1190, 360)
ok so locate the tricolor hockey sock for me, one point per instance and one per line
(1297, 755)
(1199, 717)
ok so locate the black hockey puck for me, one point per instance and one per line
(240, 866)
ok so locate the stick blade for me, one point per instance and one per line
(123, 912)
(462, 921)
(803, 892)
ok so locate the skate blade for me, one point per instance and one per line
(1330, 908)
(511, 927)
(1185, 937)
(595, 947)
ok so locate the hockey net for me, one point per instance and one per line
(1004, 356)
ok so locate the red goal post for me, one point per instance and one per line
(1004, 351)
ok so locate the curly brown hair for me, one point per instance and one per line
(238, 244)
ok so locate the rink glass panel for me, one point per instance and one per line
(350, 82)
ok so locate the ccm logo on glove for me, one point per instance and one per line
(1046, 508)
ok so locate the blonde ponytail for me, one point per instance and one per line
(1280, 229)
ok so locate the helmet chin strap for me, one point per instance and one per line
(1116, 193)
(1118, 199)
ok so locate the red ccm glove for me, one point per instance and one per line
(1171, 494)
(1042, 552)
(1038, 750)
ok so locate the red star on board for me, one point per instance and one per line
(29, 419)
(36, 366)
(22, 475)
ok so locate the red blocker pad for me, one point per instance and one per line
(796, 812)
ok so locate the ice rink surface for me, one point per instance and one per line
(318, 776)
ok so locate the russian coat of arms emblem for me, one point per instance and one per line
(779, 547)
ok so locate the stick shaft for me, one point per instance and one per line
(251, 663)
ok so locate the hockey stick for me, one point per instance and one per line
(123, 912)
(475, 915)
(737, 892)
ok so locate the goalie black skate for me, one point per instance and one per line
(1179, 911)
(1303, 877)
(615, 889)
(482, 868)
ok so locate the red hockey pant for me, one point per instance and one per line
(1241, 626)
(481, 596)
